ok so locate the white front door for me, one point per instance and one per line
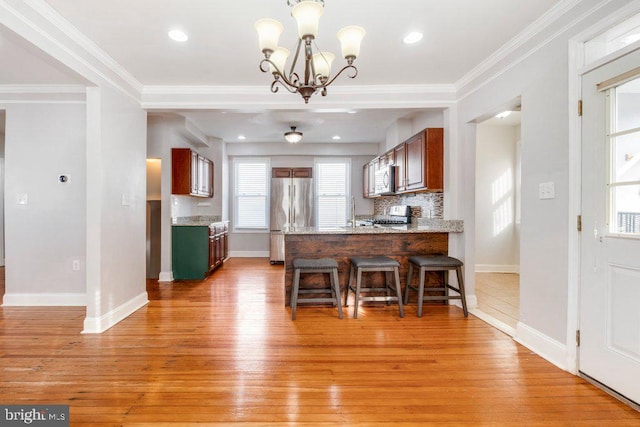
(610, 244)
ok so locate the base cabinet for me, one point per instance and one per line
(198, 250)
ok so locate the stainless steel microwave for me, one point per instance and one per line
(385, 180)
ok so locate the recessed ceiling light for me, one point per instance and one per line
(179, 36)
(242, 137)
(352, 112)
(413, 37)
(335, 137)
(503, 115)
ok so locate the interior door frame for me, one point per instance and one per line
(577, 69)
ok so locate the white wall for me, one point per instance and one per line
(496, 231)
(116, 207)
(46, 233)
(2, 251)
(540, 79)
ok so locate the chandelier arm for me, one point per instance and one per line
(274, 88)
(346, 67)
(279, 77)
(292, 73)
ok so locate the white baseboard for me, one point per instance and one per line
(472, 302)
(97, 325)
(165, 276)
(497, 268)
(544, 346)
(44, 300)
(249, 254)
(501, 326)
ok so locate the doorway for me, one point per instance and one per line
(497, 268)
(154, 202)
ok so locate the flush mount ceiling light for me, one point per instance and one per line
(413, 37)
(179, 36)
(293, 136)
(316, 74)
(503, 115)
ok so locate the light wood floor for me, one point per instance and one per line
(499, 296)
(225, 351)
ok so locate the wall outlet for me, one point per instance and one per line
(547, 190)
(75, 265)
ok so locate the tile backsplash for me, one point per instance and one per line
(423, 205)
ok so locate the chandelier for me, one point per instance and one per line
(316, 75)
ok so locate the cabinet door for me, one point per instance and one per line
(391, 157)
(373, 167)
(280, 173)
(365, 181)
(212, 252)
(434, 161)
(302, 172)
(399, 153)
(415, 162)
(194, 173)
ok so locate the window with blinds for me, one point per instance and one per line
(332, 192)
(251, 193)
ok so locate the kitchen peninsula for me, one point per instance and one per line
(427, 236)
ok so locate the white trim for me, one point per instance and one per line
(521, 58)
(44, 300)
(539, 25)
(97, 325)
(497, 268)
(501, 326)
(43, 89)
(165, 276)
(544, 346)
(248, 254)
(63, 25)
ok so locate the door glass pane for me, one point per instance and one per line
(626, 157)
(626, 209)
(627, 106)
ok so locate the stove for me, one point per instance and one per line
(399, 214)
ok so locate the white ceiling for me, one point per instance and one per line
(223, 51)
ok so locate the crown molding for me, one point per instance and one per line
(526, 35)
(38, 89)
(41, 25)
(14, 94)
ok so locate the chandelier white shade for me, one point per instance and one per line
(316, 74)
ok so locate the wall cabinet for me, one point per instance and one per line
(291, 172)
(198, 250)
(418, 164)
(191, 173)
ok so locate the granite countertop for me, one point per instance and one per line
(197, 223)
(423, 226)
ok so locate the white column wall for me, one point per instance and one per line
(46, 233)
(116, 208)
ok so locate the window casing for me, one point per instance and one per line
(251, 193)
(332, 181)
(623, 148)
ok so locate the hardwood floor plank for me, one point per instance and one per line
(225, 351)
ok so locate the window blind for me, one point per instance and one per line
(332, 192)
(251, 193)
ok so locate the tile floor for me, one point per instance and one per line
(499, 296)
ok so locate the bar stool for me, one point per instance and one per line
(320, 265)
(436, 263)
(384, 264)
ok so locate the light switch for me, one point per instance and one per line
(22, 199)
(547, 190)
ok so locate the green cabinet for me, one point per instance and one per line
(190, 252)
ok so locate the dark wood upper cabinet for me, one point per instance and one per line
(419, 162)
(292, 172)
(191, 173)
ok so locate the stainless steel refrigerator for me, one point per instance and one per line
(291, 205)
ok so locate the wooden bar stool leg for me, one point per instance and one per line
(421, 291)
(462, 293)
(387, 283)
(407, 288)
(349, 284)
(446, 286)
(335, 285)
(398, 292)
(294, 293)
(357, 293)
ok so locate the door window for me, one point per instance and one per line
(624, 158)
